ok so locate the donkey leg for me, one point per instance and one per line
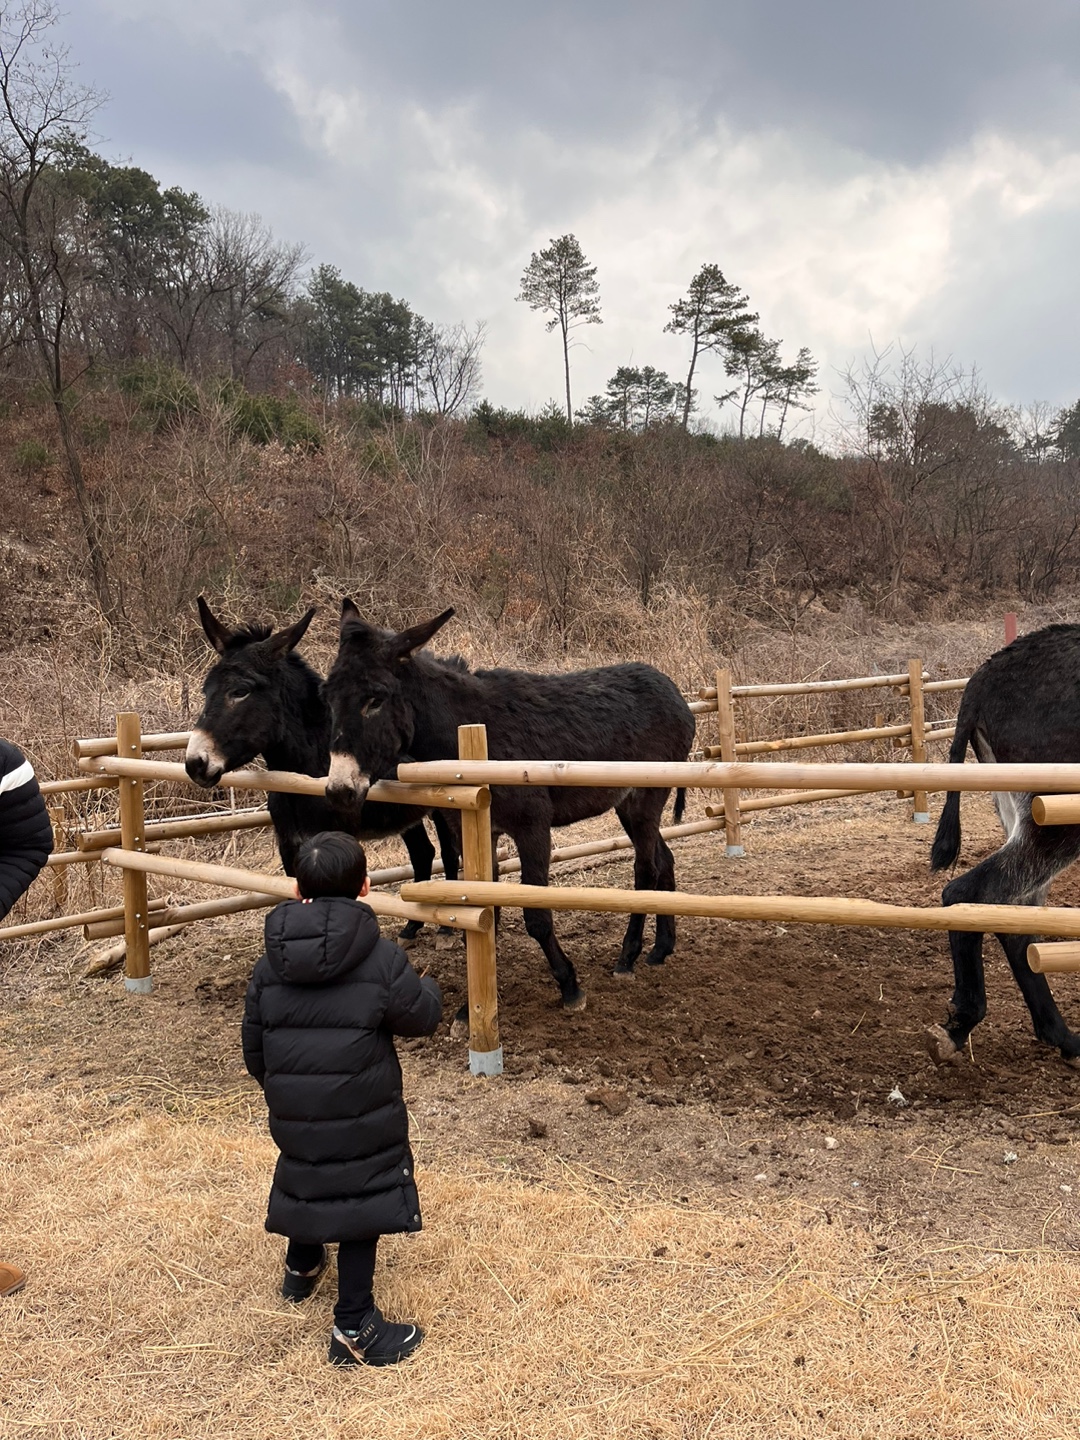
(1038, 854)
(1046, 1018)
(1019, 873)
(968, 1005)
(422, 857)
(451, 857)
(639, 814)
(665, 924)
(534, 848)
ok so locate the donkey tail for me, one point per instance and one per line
(680, 805)
(946, 845)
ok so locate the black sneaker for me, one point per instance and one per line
(300, 1284)
(377, 1342)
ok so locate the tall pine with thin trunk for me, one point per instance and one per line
(712, 314)
(560, 282)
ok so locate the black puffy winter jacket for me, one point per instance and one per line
(26, 839)
(323, 1006)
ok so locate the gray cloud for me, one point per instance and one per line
(864, 170)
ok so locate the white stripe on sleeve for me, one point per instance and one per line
(21, 775)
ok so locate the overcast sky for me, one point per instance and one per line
(869, 172)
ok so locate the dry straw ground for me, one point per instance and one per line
(562, 1308)
(554, 1311)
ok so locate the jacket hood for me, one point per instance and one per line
(312, 942)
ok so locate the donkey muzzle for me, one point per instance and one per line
(347, 786)
(203, 761)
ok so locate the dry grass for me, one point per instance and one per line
(565, 1310)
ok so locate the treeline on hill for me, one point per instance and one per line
(548, 535)
(184, 407)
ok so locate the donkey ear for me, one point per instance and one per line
(406, 641)
(286, 640)
(348, 612)
(215, 631)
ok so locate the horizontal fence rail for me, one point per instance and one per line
(1056, 809)
(816, 687)
(454, 797)
(720, 775)
(106, 744)
(797, 909)
(280, 887)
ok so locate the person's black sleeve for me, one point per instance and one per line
(26, 839)
(251, 1030)
(414, 1004)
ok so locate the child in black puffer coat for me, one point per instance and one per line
(322, 1008)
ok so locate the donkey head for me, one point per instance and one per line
(242, 712)
(371, 719)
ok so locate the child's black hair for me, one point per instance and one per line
(331, 863)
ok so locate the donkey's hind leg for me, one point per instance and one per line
(665, 924)
(1020, 873)
(1046, 1018)
(654, 869)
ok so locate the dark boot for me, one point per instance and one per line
(377, 1341)
(300, 1284)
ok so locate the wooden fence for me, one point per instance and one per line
(123, 764)
(105, 761)
(463, 784)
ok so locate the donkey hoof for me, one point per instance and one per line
(574, 1002)
(940, 1046)
(624, 970)
(656, 957)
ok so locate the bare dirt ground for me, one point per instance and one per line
(759, 1061)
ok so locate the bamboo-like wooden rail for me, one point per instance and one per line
(281, 888)
(815, 687)
(82, 782)
(747, 775)
(110, 915)
(175, 917)
(452, 797)
(106, 744)
(797, 909)
(1060, 957)
(185, 827)
(1055, 809)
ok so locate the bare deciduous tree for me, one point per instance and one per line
(448, 366)
(40, 107)
(258, 275)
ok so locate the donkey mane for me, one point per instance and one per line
(247, 635)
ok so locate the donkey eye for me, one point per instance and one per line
(235, 696)
(371, 707)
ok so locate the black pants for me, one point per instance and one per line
(356, 1274)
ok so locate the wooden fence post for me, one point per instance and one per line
(485, 1050)
(921, 814)
(58, 821)
(725, 721)
(132, 837)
